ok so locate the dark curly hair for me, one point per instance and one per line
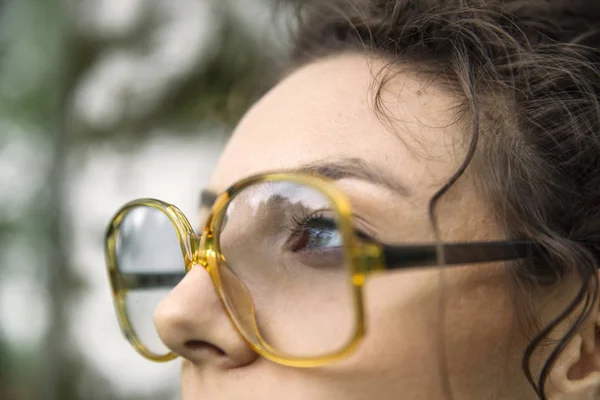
(528, 75)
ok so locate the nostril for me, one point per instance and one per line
(199, 345)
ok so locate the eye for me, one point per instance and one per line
(314, 233)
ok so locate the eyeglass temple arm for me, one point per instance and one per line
(133, 280)
(398, 257)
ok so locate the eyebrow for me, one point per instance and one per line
(348, 168)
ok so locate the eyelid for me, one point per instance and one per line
(363, 229)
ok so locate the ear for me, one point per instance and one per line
(576, 373)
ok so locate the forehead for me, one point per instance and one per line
(325, 111)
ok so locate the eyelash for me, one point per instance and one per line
(299, 222)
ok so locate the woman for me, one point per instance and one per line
(451, 146)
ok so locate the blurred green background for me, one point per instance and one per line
(101, 102)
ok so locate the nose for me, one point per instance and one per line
(192, 322)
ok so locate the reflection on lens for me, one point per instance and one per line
(282, 245)
(140, 306)
(151, 263)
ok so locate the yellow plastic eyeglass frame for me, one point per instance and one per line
(364, 257)
(204, 250)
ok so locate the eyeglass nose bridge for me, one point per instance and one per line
(202, 249)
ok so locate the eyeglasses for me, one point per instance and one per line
(285, 258)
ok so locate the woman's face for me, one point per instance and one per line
(423, 325)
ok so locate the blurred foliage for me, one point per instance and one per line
(45, 56)
(216, 92)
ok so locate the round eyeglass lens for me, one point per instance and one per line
(283, 259)
(150, 262)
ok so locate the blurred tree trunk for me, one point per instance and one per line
(218, 89)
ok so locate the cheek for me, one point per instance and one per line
(421, 320)
(402, 323)
(484, 339)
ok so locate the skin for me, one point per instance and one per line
(423, 325)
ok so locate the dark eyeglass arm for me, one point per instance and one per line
(398, 257)
(151, 280)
